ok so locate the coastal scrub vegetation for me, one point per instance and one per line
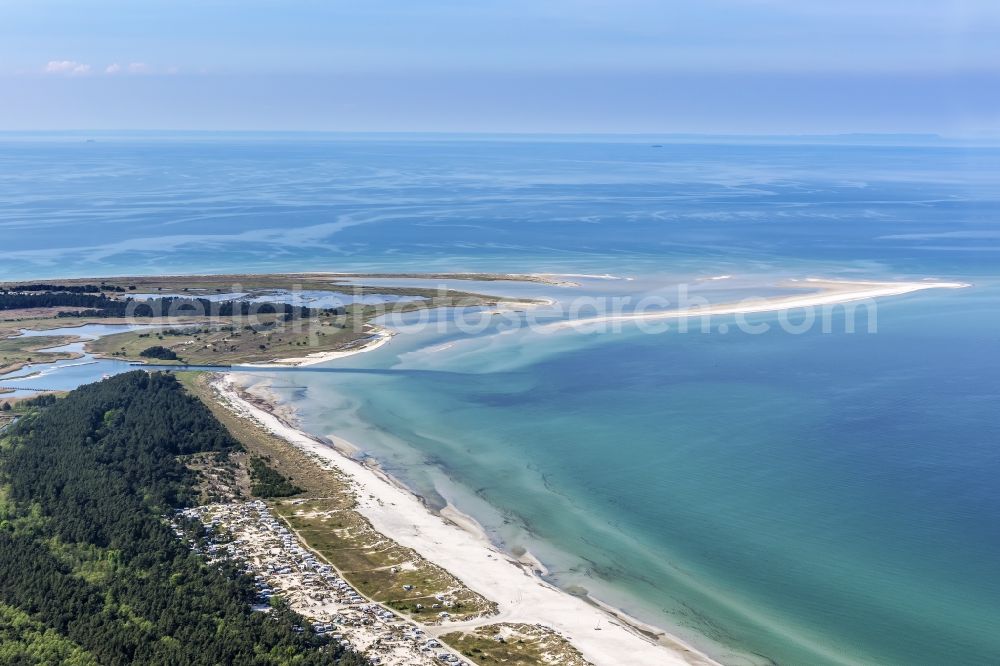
(91, 570)
(159, 352)
(17, 352)
(515, 644)
(269, 482)
(325, 518)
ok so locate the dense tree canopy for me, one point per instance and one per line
(89, 565)
(99, 305)
(74, 288)
(17, 301)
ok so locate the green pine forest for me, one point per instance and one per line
(91, 571)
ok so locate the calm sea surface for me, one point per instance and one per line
(814, 498)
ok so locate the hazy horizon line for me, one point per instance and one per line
(901, 138)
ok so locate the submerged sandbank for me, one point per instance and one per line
(456, 542)
(459, 546)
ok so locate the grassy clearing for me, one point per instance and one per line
(378, 566)
(520, 644)
(232, 340)
(15, 353)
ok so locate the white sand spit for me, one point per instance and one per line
(831, 292)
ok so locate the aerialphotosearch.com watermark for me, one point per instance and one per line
(314, 317)
(654, 314)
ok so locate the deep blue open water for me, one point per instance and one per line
(818, 498)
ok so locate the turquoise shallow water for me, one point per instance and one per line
(805, 499)
(810, 498)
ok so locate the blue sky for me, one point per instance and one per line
(720, 66)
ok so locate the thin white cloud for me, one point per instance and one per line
(66, 67)
(130, 68)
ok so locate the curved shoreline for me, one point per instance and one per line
(444, 537)
(379, 337)
(454, 542)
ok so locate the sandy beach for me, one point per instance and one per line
(457, 545)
